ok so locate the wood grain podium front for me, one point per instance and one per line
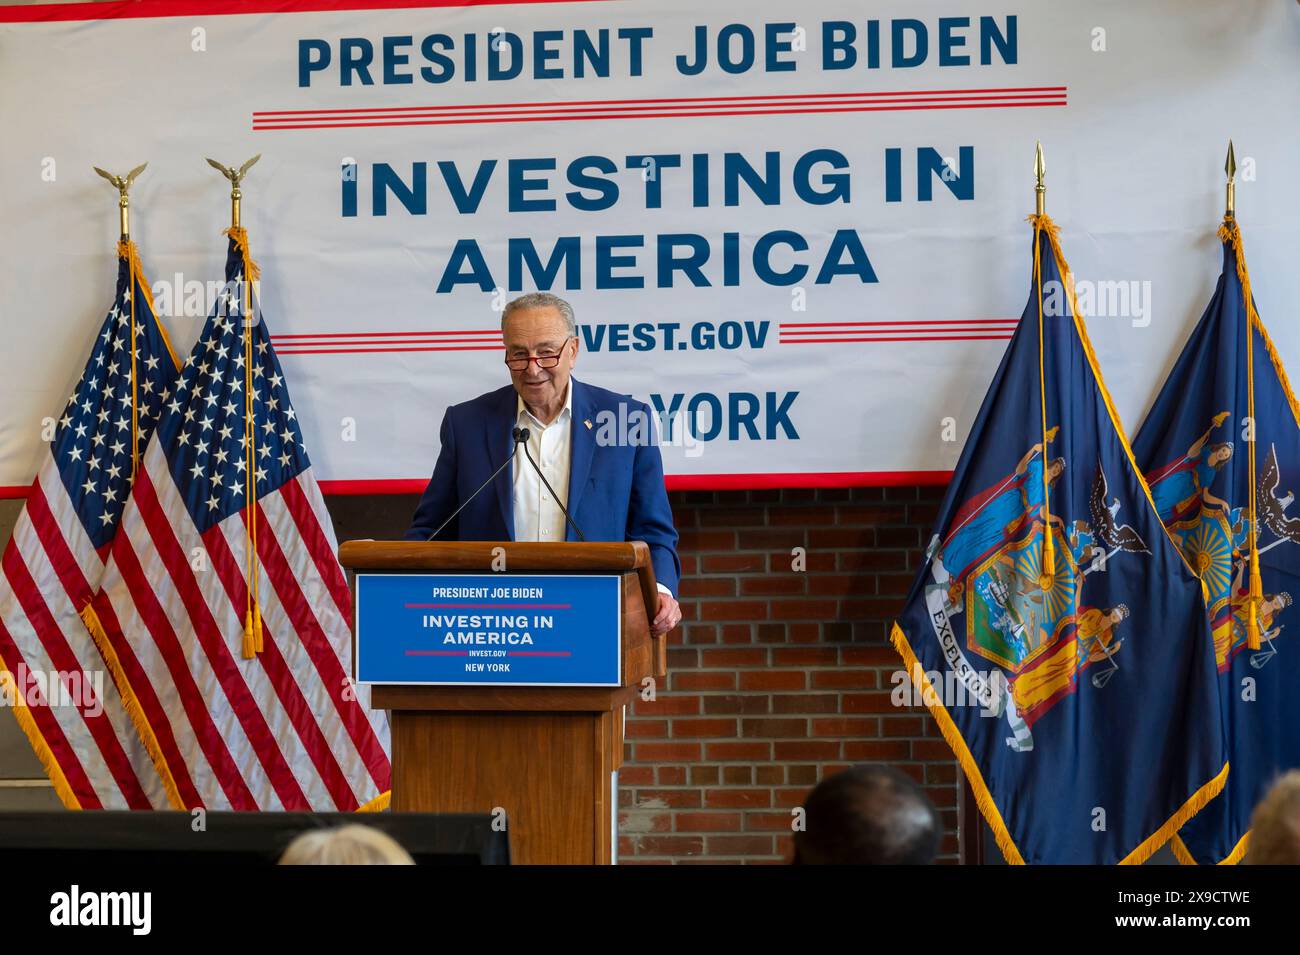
(544, 754)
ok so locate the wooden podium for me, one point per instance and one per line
(544, 754)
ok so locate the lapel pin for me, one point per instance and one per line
(588, 424)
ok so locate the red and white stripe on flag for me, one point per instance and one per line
(57, 682)
(285, 730)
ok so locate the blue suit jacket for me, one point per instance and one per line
(616, 491)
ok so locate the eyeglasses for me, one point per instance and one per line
(543, 361)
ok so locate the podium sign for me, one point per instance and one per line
(488, 629)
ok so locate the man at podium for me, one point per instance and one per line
(551, 458)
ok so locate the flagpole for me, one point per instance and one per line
(1230, 167)
(1255, 595)
(253, 635)
(1047, 570)
(126, 250)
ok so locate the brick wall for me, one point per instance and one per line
(778, 676)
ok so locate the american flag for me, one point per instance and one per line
(282, 727)
(73, 715)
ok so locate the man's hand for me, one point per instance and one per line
(669, 614)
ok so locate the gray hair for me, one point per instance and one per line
(543, 300)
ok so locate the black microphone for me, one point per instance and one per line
(521, 437)
(504, 464)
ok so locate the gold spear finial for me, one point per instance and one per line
(123, 184)
(1040, 187)
(235, 177)
(1230, 167)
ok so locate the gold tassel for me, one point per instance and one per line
(1256, 598)
(257, 629)
(249, 647)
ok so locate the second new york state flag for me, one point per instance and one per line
(1054, 629)
(1222, 442)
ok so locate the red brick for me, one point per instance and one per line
(748, 704)
(668, 704)
(806, 749)
(801, 516)
(774, 728)
(736, 751)
(769, 821)
(778, 585)
(870, 656)
(737, 798)
(843, 679)
(670, 775)
(790, 609)
(869, 703)
(878, 750)
(631, 775)
(733, 657)
(732, 563)
(741, 845)
(642, 729)
(840, 585)
(707, 821)
(839, 726)
(806, 703)
(782, 539)
(647, 752)
(773, 680)
(706, 540)
(789, 798)
(699, 729)
(737, 774)
(703, 680)
(708, 587)
(805, 656)
(732, 517)
(733, 609)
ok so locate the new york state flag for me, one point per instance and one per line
(1221, 451)
(1054, 629)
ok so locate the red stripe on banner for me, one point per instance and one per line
(140, 9)
(666, 115)
(460, 338)
(758, 99)
(214, 645)
(318, 545)
(674, 482)
(364, 351)
(692, 482)
(51, 732)
(989, 322)
(898, 338)
(282, 678)
(292, 119)
(56, 644)
(328, 668)
(313, 336)
(143, 689)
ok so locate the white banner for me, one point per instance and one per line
(799, 224)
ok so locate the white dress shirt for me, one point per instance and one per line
(537, 516)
